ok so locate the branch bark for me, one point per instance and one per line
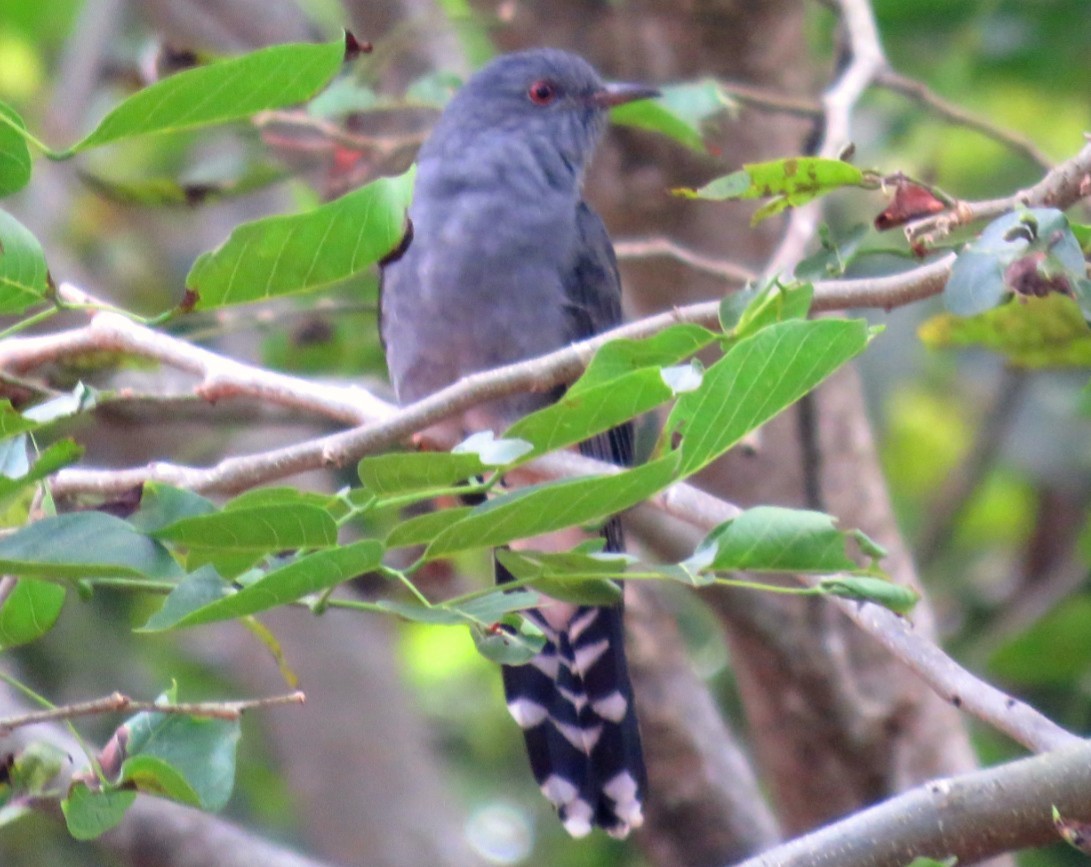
(972, 816)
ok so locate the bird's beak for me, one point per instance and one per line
(619, 93)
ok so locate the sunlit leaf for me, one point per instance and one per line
(679, 112)
(787, 183)
(29, 612)
(227, 90)
(283, 255)
(578, 415)
(619, 357)
(1029, 332)
(14, 153)
(539, 509)
(89, 814)
(776, 539)
(23, 277)
(757, 378)
(403, 472)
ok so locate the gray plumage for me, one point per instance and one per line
(506, 263)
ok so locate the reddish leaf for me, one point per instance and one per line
(910, 202)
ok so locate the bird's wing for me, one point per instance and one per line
(593, 296)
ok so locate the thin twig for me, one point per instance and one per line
(919, 92)
(866, 59)
(764, 99)
(118, 703)
(641, 248)
(1060, 188)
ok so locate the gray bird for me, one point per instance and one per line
(507, 262)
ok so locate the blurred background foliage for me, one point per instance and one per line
(1003, 542)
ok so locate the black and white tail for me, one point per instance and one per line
(574, 703)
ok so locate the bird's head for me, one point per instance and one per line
(551, 100)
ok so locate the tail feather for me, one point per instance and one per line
(574, 703)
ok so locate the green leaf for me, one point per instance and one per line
(160, 192)
(539, 509)
(199, 751)
(54, 458)
(1082, 233)
(13, 422)
(571, 576)
(14, 153)
(29, 612)
(163, 505)
(931, 862)
(1028, 332)
(776, 539)
(194, 592)
(422, 529)
(787, 183)
(283, 255)
(750, 310)
(157, 777)
(486, 609)
(404, 472)
(679, 112)
(619, 357)
(757, 378)
(492, 452)
(578, 415)
(897, 597)
(280, 495)
(510, 644)
(982, 276)
(84, 545)
(203, 602)
(261, 528)
(88, 814)
(24, 280)
(224, 91)
(34, 768)
(1060, 638)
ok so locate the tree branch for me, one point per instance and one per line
(971, 816)
(118, 703)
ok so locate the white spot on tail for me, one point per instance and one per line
(588, 656)
(622, 790)
(582, 739)
(576, 699)
(613, 707)
(526, 713)
(558, 790)
(579, 624)
(577, 818)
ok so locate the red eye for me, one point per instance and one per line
(542, 92)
